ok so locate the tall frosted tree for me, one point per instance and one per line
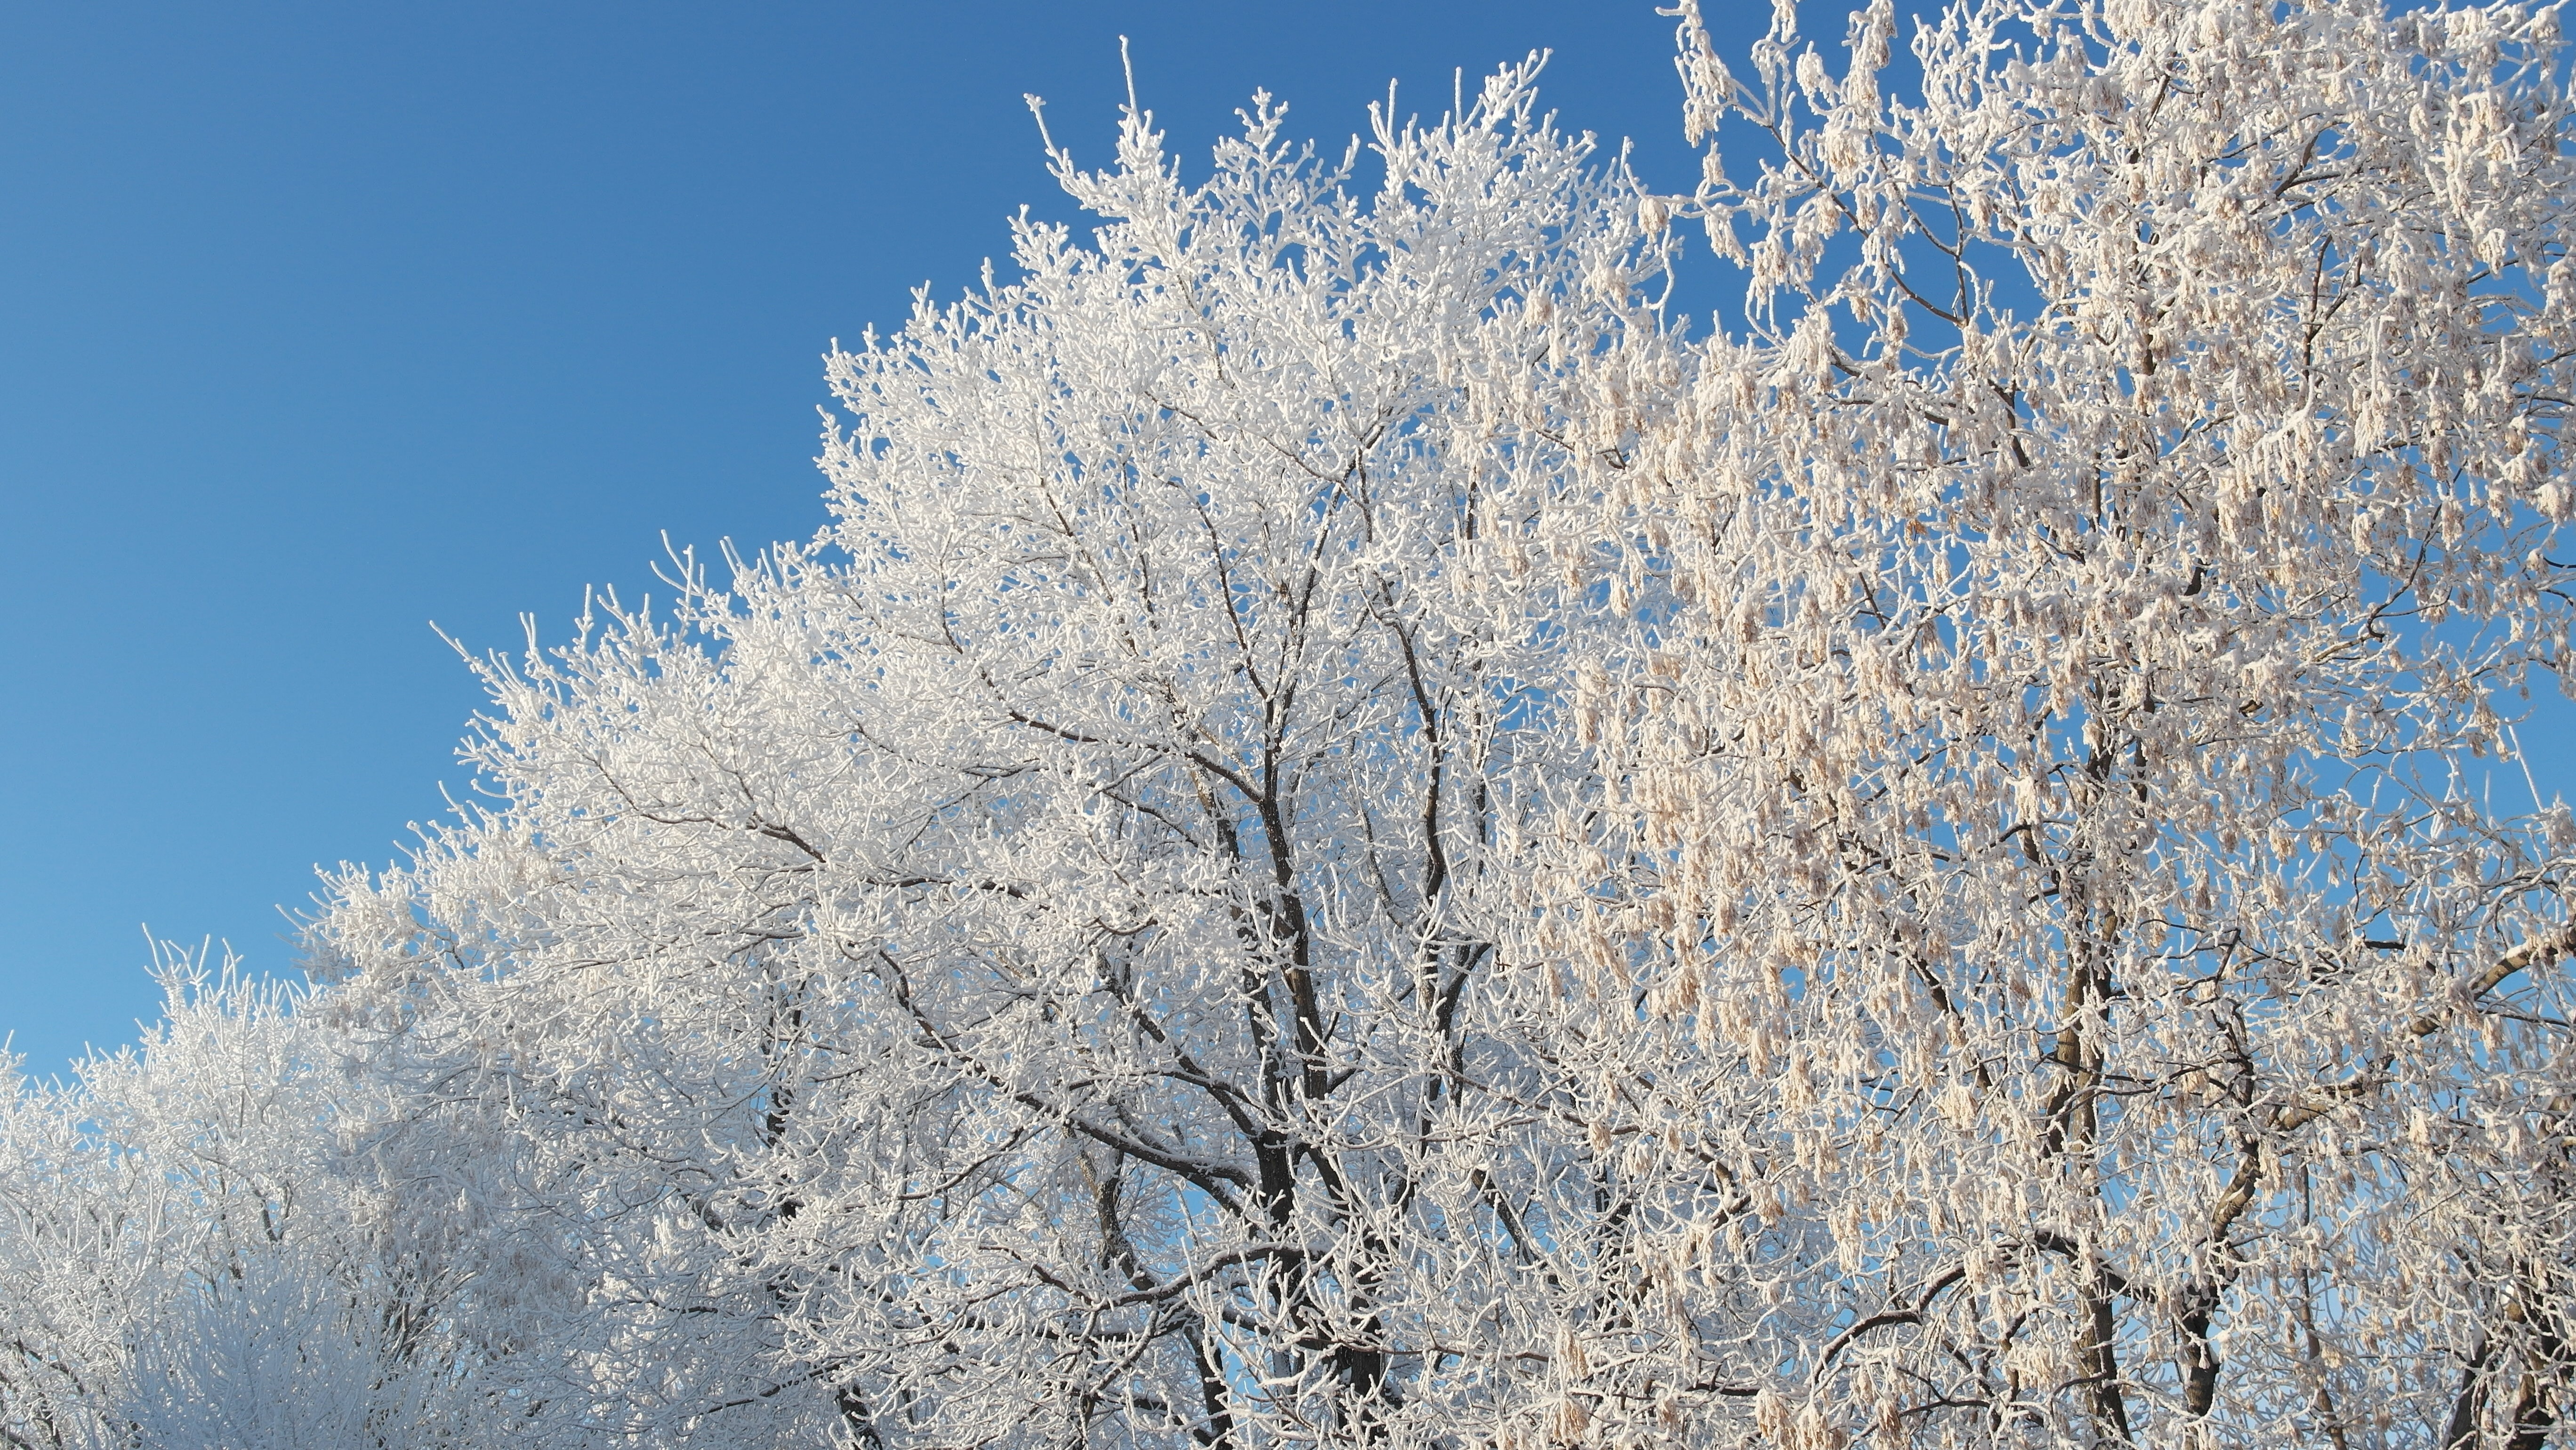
(2108, 547)
(1040, 969)
(1352, 837)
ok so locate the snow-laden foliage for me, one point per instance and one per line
(1351, 837)
(200, 1248)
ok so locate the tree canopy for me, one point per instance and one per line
(1353, 835)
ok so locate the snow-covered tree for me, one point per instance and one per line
(1352, 837)
(2107, 551)
(199, 1249)
(1038, 972)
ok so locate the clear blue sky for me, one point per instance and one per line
(319, 322)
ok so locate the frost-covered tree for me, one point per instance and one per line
(1041, 972)
(2102, 559)
(1352, 837)
(200, 1250)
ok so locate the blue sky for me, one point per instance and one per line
(320, 322)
